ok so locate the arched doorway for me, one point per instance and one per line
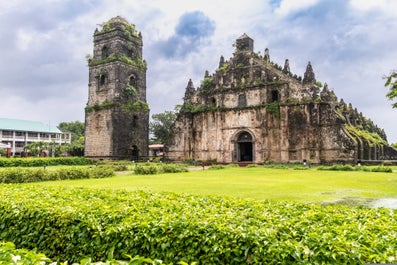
(244, 147)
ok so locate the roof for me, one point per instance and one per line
(27, 126)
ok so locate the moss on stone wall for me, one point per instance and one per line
(372, 138)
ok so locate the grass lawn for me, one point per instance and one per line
(256, 183)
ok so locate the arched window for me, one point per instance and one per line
(275, 95)
(244, 137)
(213, 101)
(135, 121)
(242, 101)
(102, 80)
(132, 81)
(105, 52)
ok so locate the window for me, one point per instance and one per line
(242, 101)
(102, 80)
(275, 95)
(132, 81)
(135, 121)
(244, 137)
(105, 52)
(213, 101)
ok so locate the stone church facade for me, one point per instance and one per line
(117, 115)
(251, 111)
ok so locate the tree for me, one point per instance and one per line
(77, 128)
(160, 125)
(391, 82)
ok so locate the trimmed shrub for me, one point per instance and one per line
(24, 175)
(69, 224)
(157, 168)
(48, 161)
(216, 167)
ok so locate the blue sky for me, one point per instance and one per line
(44, 74)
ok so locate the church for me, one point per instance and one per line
(251, 110)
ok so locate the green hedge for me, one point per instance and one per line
(39, 162)
(9, 254)
(357, 168)
(24, 175)
(73, 223)
(158, 168)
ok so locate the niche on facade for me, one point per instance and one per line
(105, 52)
(101, 79)
(242, 101)
(132, 81)
(135, 121)
(275, 96)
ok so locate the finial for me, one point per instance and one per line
(309, 74)
(267, 55)
(286, 69)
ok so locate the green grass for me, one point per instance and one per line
(256, 183)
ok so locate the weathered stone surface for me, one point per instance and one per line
(252, 110)
(117, 116)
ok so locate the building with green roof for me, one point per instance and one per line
(18, 133)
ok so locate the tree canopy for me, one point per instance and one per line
(160, 126)
(391, 82)
(77, 129)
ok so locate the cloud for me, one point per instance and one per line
(288, 7)
(192, 30)
(44, 43)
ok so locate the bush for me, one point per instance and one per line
(24, 175)
(358, 168)
(157, 168)
(39, 162)
(73, 223)
(382, 169)
(216, 167)
(11, 255)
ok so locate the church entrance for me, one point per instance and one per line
(244, 147)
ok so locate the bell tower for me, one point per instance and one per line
(117, 115)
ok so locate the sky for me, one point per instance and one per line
(44, 44)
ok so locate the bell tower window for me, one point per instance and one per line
(105, 52)
(102, 80)
(132, 81)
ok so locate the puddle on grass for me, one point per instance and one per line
(390, 203)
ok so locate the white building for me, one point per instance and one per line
(18, 133)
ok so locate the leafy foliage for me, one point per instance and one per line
(75, 127)
(391, 82)
(11, 255)
(73, 223)
(160, 126)
(157, 168)
(373, 138)
(357, 168)
(17, 175)
(39, 162)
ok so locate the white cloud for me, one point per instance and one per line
(387, 7)
(44, 72)
(291, 6)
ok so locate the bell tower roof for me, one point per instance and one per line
(115, 21)
(244, 43)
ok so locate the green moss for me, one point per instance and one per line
(137, 106)
(372, 138)
(104, 105)
(273, 109)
